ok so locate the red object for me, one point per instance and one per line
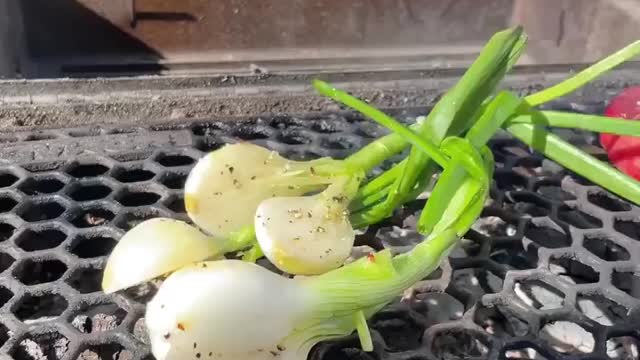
(624, 151)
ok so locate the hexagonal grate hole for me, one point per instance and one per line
(33, 308)
(252, 132)
(33, 271)
(628, 227)
(605, 248)
(172, 160)
(6, 231)
(93, 216)
(98, 318)
(176, 204)
(400, 331)
(87, 170)
(627, 282)
(568, 337)
(607, 202)
(539, 295)
(49, 345)
(5, 296)
(174, 180)
(133, 175)
(137, 198)
(523, 352)
(6, 261)
(509, 181)
(7, 203)
(106, 351)
(623, 348)
(84, 192)
(602, 310)
(144, 292)
(92, 245)
(4, 333)
(295, 137)
(7, 179)
(341, 142)
(578, 218)
(37, 186)
(573, 271)
(130, 219)
(86, 280)
(34, 240)
(345, 349)
(460, 344)
(546, 236)
(40, 211)
(516, 258)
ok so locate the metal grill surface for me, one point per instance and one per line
(549, 271)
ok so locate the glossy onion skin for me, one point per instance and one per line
(304, 235)
(190, 315)
(226, 186)
(153, 248)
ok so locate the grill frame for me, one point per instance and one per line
(149, 145)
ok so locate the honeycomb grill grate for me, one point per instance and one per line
(549, 271)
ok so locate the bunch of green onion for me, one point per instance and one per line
(249, 202)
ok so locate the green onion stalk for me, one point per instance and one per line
(285, 317)
(301, 215)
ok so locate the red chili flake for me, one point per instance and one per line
(181, 326)
(371, 257)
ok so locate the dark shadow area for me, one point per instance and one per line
(65, 38)
(161, 16)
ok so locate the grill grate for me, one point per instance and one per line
(549, 271)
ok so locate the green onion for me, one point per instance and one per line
(585, 76)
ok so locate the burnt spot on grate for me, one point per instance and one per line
(550, 252)
(112, 350)
(97, 317)
(45, 345)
